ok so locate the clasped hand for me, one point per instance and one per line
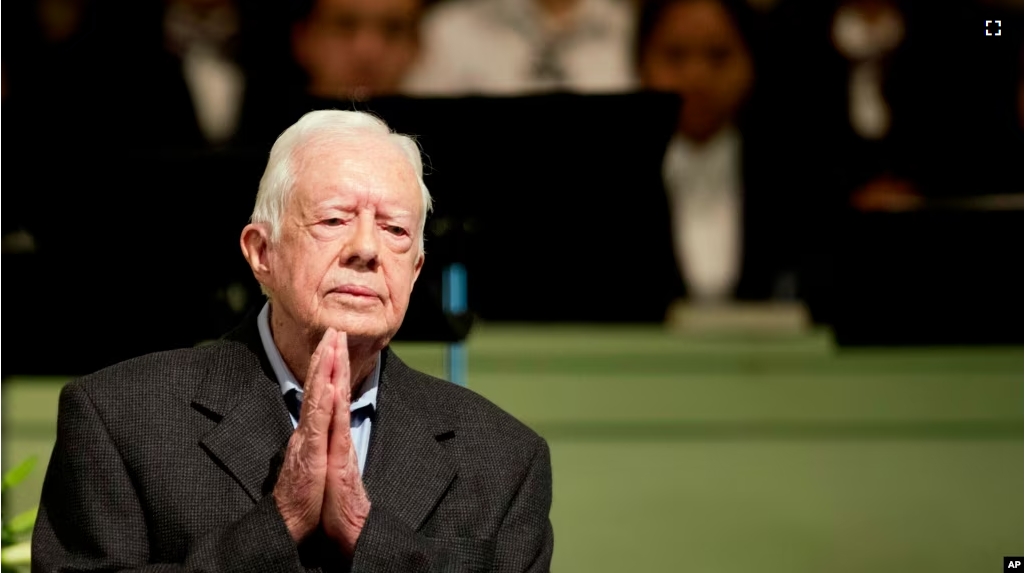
(319, 483)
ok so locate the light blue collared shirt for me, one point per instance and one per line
(359, 411)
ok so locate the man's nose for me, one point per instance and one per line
(363, 248)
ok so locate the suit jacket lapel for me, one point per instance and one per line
(253, 424)
(407, 470)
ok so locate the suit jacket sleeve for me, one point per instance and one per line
(92, 519)
(524, 543)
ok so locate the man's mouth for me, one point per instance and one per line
(355, 290)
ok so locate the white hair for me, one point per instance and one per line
(334, 126)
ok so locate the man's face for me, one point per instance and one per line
(697, 52)
(358, 48)
(348, 252)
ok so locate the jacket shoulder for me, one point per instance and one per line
(170, 376)
(463, 408)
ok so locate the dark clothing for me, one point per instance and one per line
(167, 463)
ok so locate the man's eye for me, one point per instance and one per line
(333, 222)
(397, 231)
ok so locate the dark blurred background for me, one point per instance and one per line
(790, 167)
(859, 158)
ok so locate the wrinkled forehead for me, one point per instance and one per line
(371, 166)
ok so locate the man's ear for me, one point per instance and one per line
(255, 243)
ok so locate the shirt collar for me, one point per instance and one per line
(724, 142)
(718, 155)
(367, 394)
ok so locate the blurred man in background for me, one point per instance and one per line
(869, 36)
(203, 36)
(339, 51)
(892, 89)
(357, 49)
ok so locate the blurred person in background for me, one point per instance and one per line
(867, 34)
(511, 47)
(81, 70)
(180, 56)
(909, 105)
(338, 50)
(357, 49)
(726, 169)
(838, 83)
(203, 36)
(95, 66)
(910, 100)
(152, 81)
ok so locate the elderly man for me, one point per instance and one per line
(300, 441)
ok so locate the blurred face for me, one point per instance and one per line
(348, 253)
(358, 48)
(697, 52)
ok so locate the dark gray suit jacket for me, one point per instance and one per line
(166, 463)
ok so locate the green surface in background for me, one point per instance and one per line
(732, 453)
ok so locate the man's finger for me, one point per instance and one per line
(341, 438)
(318, 372)
(318, 394)
(300, 488)
(341, 377)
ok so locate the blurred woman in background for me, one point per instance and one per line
(724, 170)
